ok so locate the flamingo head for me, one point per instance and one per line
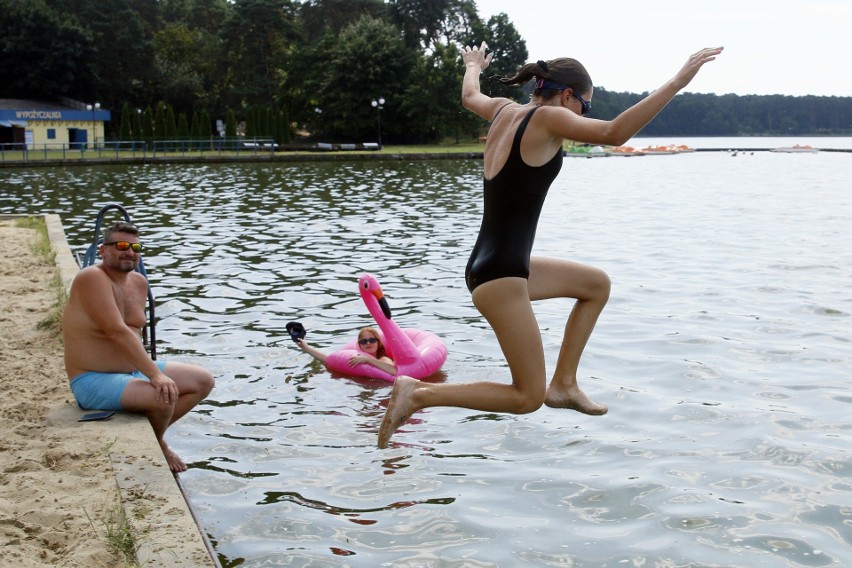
(369, 286)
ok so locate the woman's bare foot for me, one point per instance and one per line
(399, 408)
(574, 399)
(175, 463)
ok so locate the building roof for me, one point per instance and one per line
(16, 112)
(25, 104)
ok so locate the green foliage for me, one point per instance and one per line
(510, 52)
(230, 125)
(195, 126)
(125, 123)
(136, 130)
(283, 134)
(121, 32)
(182, 127)
(692, 114)
(371, 54)
(318, 18)
(314, 66)
(431, 99)
(159, 123)
(427, 24)
(180, 63)
(169, 123)
(206, 125)
(44, 53)
(258, 36)
(119, 534)
(148, 126)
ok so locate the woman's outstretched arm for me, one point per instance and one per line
(312, 351)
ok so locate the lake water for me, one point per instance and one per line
(724, 355)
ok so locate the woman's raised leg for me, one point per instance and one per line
(552, 278)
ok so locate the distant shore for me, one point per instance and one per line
(36, 158)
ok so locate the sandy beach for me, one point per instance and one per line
(58, 494)
(69, 488)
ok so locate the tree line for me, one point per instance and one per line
(287, 68)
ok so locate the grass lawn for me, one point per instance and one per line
(107, 154)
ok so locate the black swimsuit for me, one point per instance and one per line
(513, 201)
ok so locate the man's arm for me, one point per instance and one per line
(97, 298)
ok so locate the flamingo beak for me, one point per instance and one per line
(383, 303)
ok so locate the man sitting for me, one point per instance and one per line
(105, 359)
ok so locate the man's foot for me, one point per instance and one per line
(175, 463)
(399, 408)
(574, 399)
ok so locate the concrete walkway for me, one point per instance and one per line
(151, 496)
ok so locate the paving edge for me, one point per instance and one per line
(166, 528)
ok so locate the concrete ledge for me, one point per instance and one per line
(150, 494)
(66, 263)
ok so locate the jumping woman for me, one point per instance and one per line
(523, 155)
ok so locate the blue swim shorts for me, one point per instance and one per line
(102, 391)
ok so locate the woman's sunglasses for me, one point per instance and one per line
(124, 245)
(367, 340)
(587, 106)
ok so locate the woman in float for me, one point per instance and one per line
(523, 155)
(410, 352)
(368, 342)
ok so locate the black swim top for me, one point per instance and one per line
(513, 201)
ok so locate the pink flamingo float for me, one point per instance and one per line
(416, 353)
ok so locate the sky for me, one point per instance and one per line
(779, 47)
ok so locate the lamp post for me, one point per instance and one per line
(378, 104)
(93, 108)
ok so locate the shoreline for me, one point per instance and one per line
(468, 151)
(251, 158)
(67, 484)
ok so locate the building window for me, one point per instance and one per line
(51, 134)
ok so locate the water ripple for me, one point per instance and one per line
(723, 354)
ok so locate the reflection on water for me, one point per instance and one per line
(723, 356)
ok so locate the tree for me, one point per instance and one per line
(510, 53)
(206, 127)
(370, 53)
(182, 132)
(283, 134)
(137, 134)
(431, 99)
(160, 123)
(428, 23)
(180, 61)
(305, 79)
(171, 123)
(195, 130)
(318, 18)
(121, 30)
(230, 125)
(258, 37)
(124, 127)
(148, 126)
(190, 42)
(292, 57)
(44, 54)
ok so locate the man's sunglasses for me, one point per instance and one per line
(367, 340)
(125, 245)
